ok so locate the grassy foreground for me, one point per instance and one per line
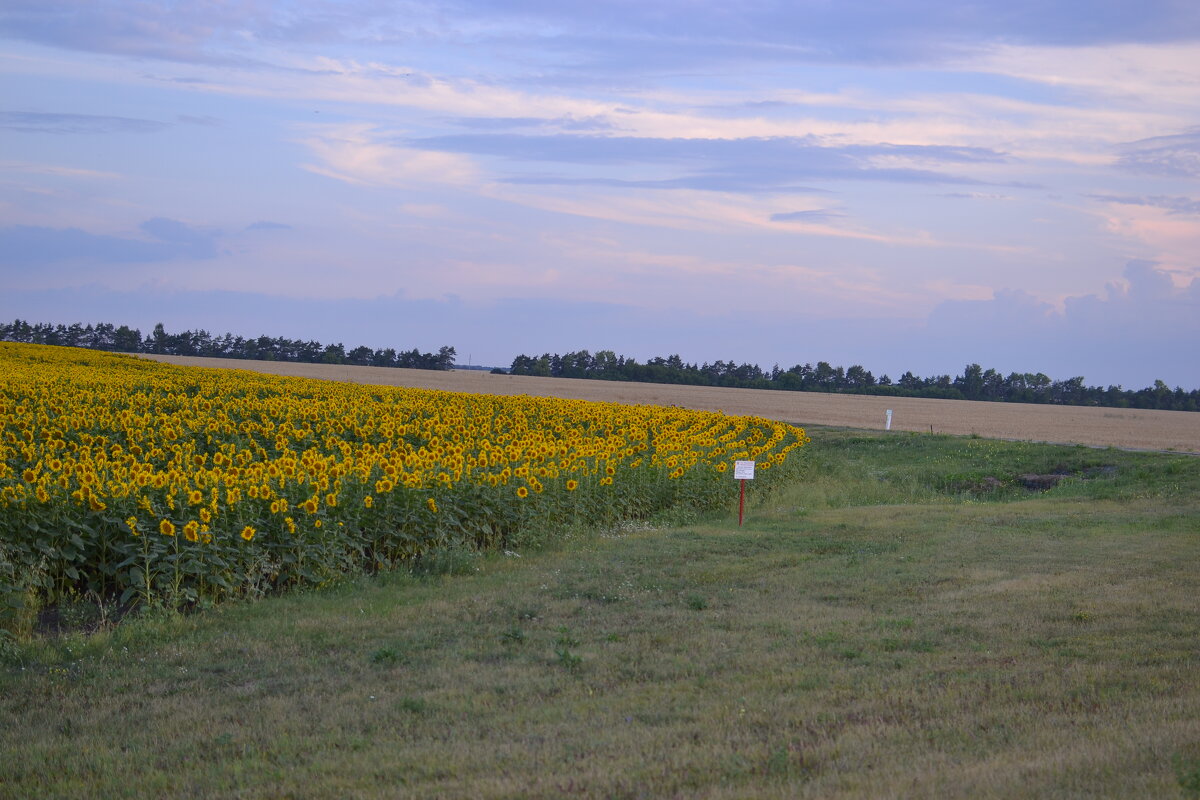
(909, 620)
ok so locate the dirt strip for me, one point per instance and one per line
(1116, 427)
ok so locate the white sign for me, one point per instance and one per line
(743, 470)
(889, 420)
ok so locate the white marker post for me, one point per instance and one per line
(888, 427)
(742, 471)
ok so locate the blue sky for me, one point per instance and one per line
(908, 185)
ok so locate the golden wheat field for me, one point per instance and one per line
(1115, 427)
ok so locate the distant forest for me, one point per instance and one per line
(124, 339)
(975, 383)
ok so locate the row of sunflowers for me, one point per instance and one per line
(150, 483)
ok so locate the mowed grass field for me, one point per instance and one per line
(1105, 427)
(906, 620)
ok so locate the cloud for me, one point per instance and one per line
(1137, 332)
(1108, 84)
(55, 170)
(973, 196)
(35, 122)
(267, 225)
(813, 215)
(191, 32)
(25, 246)
(807, 150)
(191, 242)
(706, 212)
(191, 119)
(1014, 312)
(595, 122)
(750, 164)
(1165, 228)
(498, 123)
(717, 182)
(633, 38)
(356, 153)
(1172, 205)
(629, 38)
(622, 40)
(1175, 156)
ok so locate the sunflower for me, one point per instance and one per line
(522, 492)
(248, 533)
(166, 528)
(572, 485)
(432, 505)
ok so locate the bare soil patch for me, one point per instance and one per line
(1115, 427)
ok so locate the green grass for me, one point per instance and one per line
(893, 624)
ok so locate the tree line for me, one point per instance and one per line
(123, 339)
(975, 383)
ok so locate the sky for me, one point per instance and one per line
(904, 185)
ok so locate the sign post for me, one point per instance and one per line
(889, 420)
(742, 471)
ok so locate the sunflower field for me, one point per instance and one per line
(146, 483)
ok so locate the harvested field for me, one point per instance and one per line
(1116, 427)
